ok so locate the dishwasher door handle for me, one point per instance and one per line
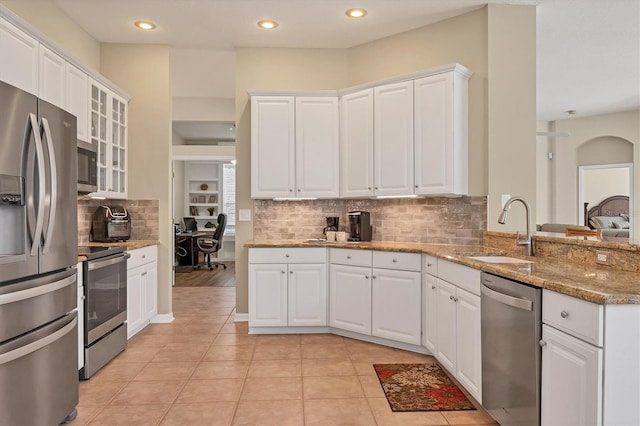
(516, 302)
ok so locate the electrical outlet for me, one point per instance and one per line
(603, 257)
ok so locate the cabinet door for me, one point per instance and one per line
(150, 291)
(272, 146)
(393, 139)
(350, 298)
(53, 78)
(317, 147)
(118, 146)
(429, 313)
(356, 171)
(308, 293)
(571, 380)
(19, 66)
(134, 300)
(80, 326)
(434, 134)
(396, 305)
(77, 95)
(267, 295)
(98, 128)
(468, 342)
(446, 325)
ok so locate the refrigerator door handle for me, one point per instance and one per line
(38, 344)
(53, 176)
(37, 235)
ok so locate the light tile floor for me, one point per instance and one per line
(204, 369)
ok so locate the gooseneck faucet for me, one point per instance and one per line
(503, 219)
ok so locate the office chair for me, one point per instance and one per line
(213, 244)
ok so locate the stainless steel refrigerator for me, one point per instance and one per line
(38, 254)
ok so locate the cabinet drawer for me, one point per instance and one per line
(460, 275)
(288, 255)
(396, 260)
(351, 257)
(579, 318)
(142, 256)
(430, 264)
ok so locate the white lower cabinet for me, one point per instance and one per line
(350, 298)
(575, 369)
(396, 305)
(429, 313)
(287, 287)
(142, 288)
(457, 324)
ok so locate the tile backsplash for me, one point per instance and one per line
(143, 215)
(459, 220)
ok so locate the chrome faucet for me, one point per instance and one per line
(503, 219)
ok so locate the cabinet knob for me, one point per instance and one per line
(143, 274)
(455, 299)
(286, 255)
(428, 265)
(299, 190)
(291, 190)
(366, 277)
(394, 260)
(84, 297)
(144, 257)
(348, 257)
(542, 343)
(450, 297)
(416, 186)
(373, 276)
(282, 272)
(376, 187)
(291, 272)
(433, 287)
(564, 314)
(369, 188)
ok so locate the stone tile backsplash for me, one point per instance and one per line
(424, 220)
(143, 215)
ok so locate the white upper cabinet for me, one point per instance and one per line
(77, 82)
(393, 139)
(317, 147)
(53, 79)
(356, 151)
(108, 131)
(272, 146)
(441, 164)
(20, 59)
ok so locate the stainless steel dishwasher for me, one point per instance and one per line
(511, 323)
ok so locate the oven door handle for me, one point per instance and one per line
(95, 264)
(515, 302)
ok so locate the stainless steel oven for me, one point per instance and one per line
(105, 306)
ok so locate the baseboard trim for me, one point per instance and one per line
(162, 318)
(241, 317)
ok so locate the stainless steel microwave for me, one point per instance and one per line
(87, 168)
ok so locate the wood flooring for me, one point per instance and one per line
(204, 277)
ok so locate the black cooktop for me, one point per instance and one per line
(94, 252)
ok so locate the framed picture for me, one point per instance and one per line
(213, 199)
(202, 198)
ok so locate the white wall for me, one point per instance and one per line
(203, 109)
(599, 184)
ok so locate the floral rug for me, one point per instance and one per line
(420, 387)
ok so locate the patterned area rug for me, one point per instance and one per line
(420, 387)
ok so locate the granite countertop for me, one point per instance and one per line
(595, 284)
(129, 244)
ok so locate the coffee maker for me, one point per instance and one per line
(332, 224)
(359, 226)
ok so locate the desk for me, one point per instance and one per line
(189, 238)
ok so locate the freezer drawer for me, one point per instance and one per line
(39, 375)
(30, 304)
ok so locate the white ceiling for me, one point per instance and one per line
(588, 51)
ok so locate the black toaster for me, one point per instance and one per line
(110, 224)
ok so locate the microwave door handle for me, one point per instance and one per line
(37, 235)
(53, 175)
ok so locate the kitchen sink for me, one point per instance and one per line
(499, 259)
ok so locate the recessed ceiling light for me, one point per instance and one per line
(267, 24)
(356, 13)
(145, 25)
